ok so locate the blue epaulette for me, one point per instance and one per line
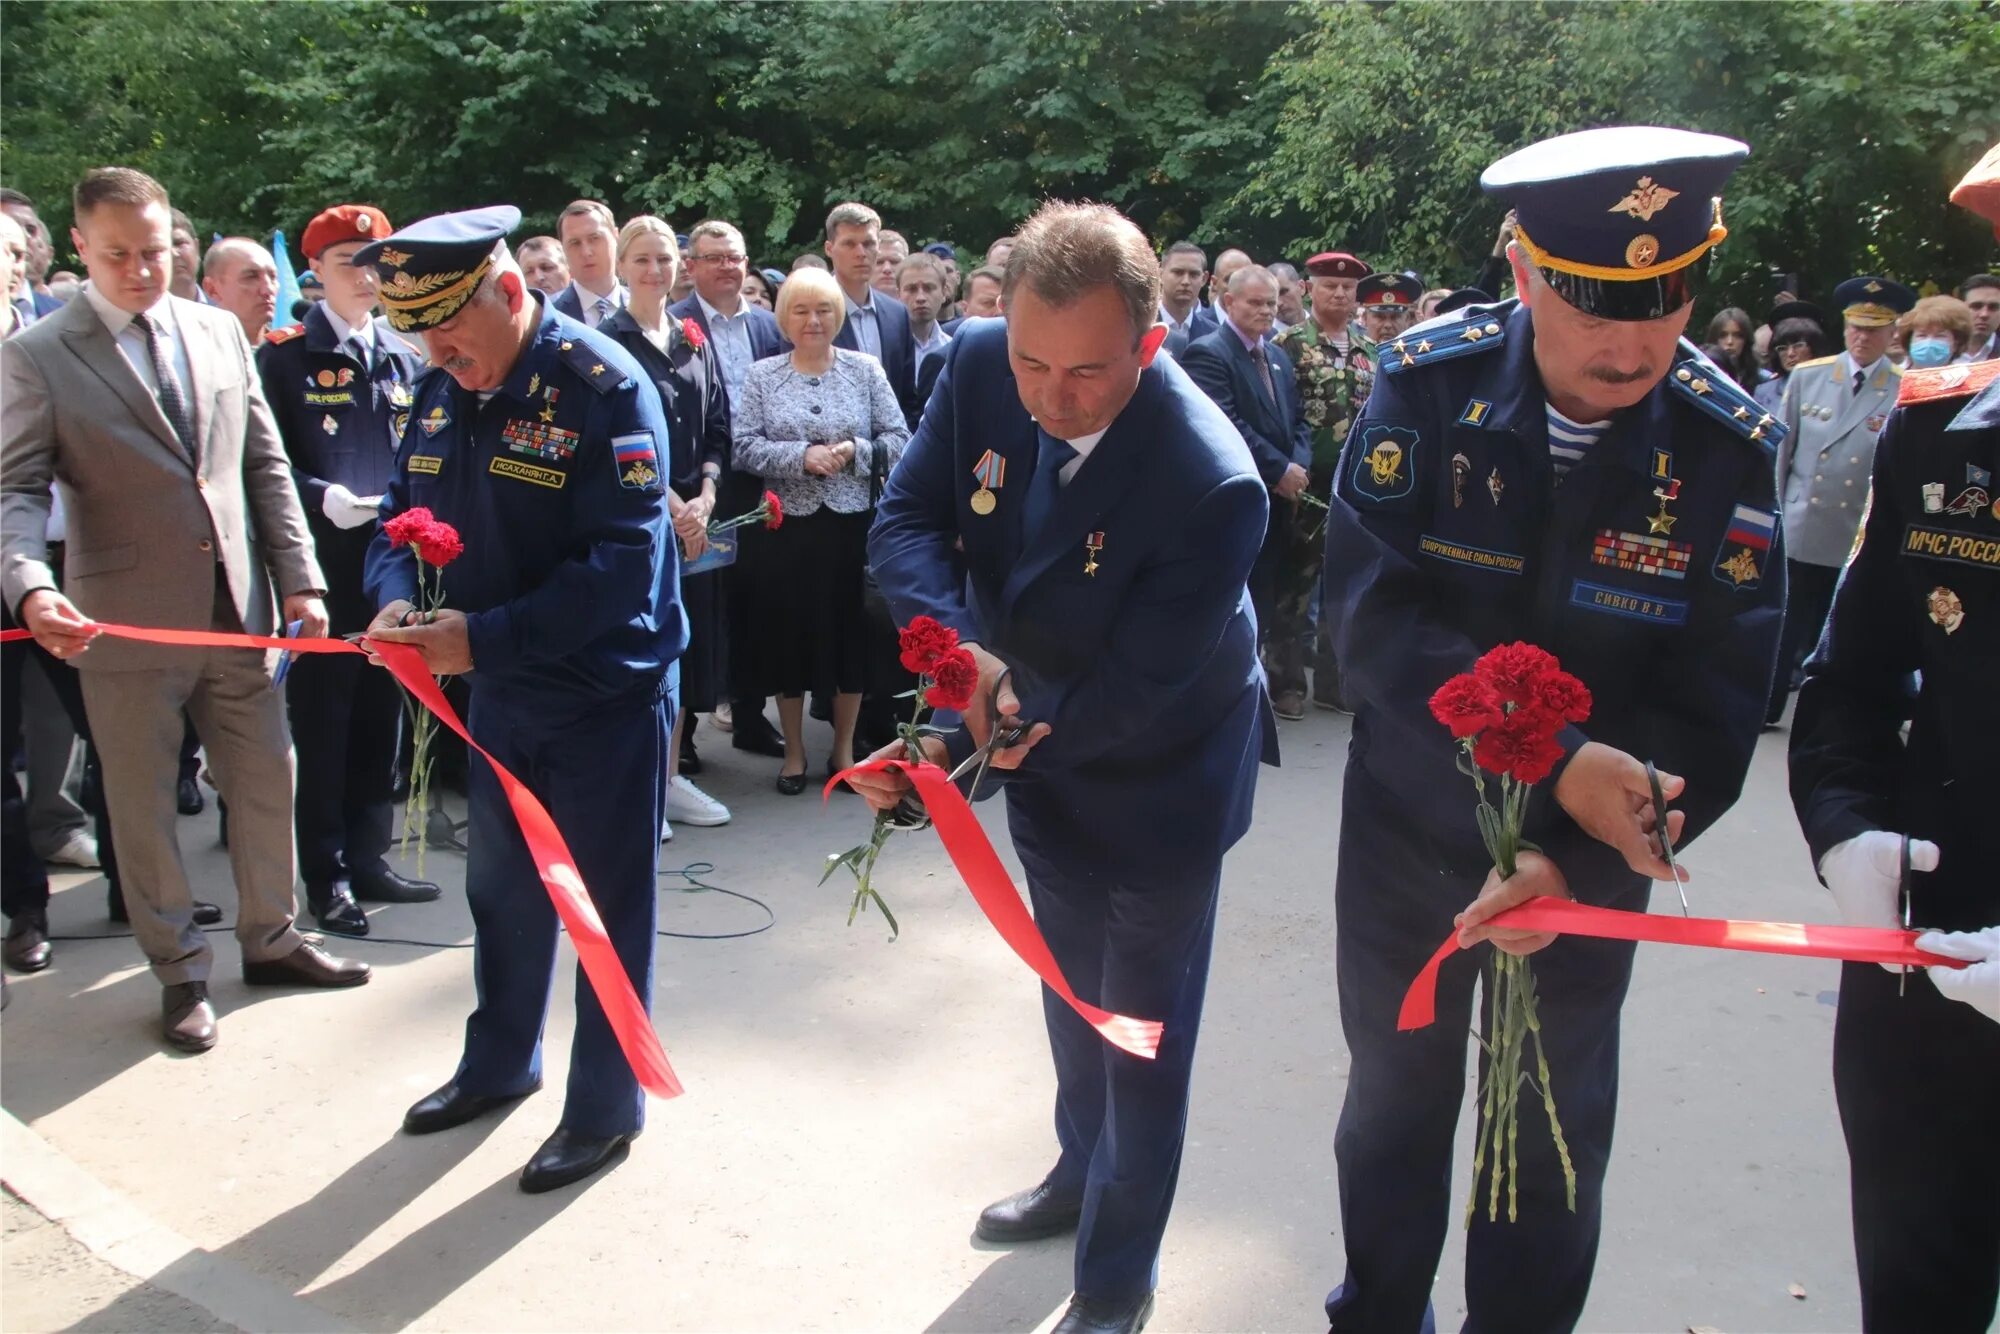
(1704, 384)
(590, 364)
(1477, 331)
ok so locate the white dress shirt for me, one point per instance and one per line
(588, 300)
(1083, 444)
(343, 333)
(934, 345)
(131, 340)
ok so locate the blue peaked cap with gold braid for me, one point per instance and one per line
(1619, 220)
(430, 269)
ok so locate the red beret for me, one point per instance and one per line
(344, 222)
(1336, 264)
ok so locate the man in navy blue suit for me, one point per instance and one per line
(877, 323)
(1254, 385)
(1109, 517)
(34, 299)
(589, 234)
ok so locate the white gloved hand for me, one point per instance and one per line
(1978, 984)
(1864, 875)
(347, 510)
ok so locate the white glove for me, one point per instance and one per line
(346, 509)
(1977, 985)
(1864, 875)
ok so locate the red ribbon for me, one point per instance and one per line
(553, 861)
(1856, 944)
(993, 890)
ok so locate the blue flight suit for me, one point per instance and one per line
(1448, 534)
(1917, 1076)
(340, 421)
(1142, 657)
(569, 581)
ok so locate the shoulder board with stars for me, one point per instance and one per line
(1428, 343)
(1709, 388)
(1941, 382)
(590, 365)
(284, 335)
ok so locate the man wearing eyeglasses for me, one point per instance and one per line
(742, 333)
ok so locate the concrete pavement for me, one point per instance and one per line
(852, 1103)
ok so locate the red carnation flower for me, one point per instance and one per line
(776, 517)
(955, 674)
(1467, 705)
(1523, 746)
(1563, 695)
(405, 528)
(692, 332)
(1512, 670)
(440, 545)
(922, 642)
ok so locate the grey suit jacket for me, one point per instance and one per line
(147, 525)
(1828, 454)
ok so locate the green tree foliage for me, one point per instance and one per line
(1860, 117)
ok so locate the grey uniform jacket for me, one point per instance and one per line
(1828, 453)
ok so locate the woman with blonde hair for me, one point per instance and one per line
(684, 370)
(1937, 331)
(821, 426)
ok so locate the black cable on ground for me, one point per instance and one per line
(691, 873)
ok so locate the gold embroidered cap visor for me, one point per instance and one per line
(430, 269)
(1873, 302)
(1619, 221)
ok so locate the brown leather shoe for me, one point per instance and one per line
(306, 966)
(27, 948)
(187, 1019)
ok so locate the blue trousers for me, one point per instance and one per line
(1139, 948)
(603, 779)
(1393, 904)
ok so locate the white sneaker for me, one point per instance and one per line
(666, 832)
(690, 805)
(79, 849)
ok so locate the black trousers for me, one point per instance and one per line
(1917, 1078)
(1808, 598)
(346, 719)
(24, 880)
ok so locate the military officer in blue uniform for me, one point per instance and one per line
(340, 386)
(544, 444)
(1563, 469)
(1917, 1075)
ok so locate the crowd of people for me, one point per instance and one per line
(589, 406)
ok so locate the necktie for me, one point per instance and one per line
(172, 401)
(1859, 378)
(1264, 374)
(359, 351)
(1050, 459)
(603, 311)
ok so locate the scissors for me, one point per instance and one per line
(1666, 840)
(1003, 738)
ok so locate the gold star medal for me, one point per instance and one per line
(1659, 525)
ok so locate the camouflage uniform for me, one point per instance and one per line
(1333, 389)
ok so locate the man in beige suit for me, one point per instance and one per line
(182, 513)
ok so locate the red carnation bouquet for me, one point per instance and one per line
(1506, 713)
(435, 544)
(947, 677)
(770, 512)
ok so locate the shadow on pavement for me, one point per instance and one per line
(1017, 1291)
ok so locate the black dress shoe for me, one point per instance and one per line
(1040, 1212)
(791, 784)
(453, 1106)
(690, 762)
(1088, 1315)
(379, 884)
(755, 734)
(306, 966)
(334, 908)
(207, 914)
(27, 948)
(567, 1156)
(187, 796)
(187, 1020)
